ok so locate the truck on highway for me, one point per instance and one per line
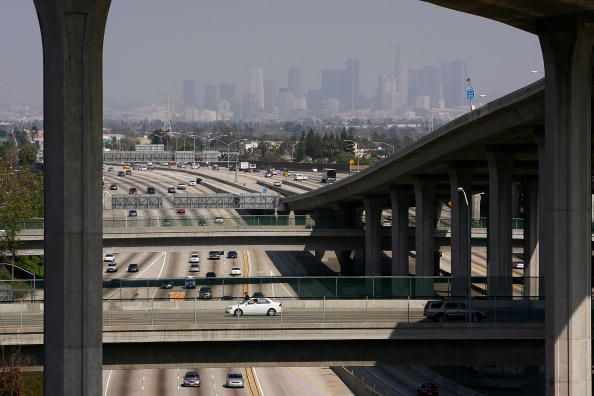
(328, 175)
(244, 166)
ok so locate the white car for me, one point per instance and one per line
(192, 183)
(255, 306)
(194, 258)
(235, 271)
(109, 257)
(234, 380)
(181, 186)
(112, 267)
(219, 220)
(195, 166)
(277, 183)
(194, 267)
(299, 177)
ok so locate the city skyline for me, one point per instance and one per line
(145, 64)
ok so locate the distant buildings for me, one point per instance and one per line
(257, 87)
(211, 97)
(189, 93)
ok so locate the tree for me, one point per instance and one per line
(27, 154)
(21, 198)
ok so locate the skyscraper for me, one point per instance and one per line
(257, 87)
(286, 104)
(453, 77)
(425, 82)
(227, 92)
(350, 94)
(270, 95)
(331, 83)
(401, 74)
(211, 97)
(189, 93)
(295, 81)
(387, 95)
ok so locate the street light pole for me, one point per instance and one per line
(469, 247)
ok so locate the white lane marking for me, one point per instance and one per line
(107, 384)
(258, 382)
(142, 387)
(213, 382)
(160, 272)
(281, 284)
(178, 383)
(157, 216)
(150, 265)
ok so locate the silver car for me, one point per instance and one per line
(234, 379)
(191, 378)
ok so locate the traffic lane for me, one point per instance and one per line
(123, 382)
(150, 266)
(262, 265)
(298, 381)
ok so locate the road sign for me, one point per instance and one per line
(179, 296)
(264, 190)
(470, 93)
(351, 162)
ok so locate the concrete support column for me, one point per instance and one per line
(567, 46)
(373, 249)
(424, 235)
(476, 206)
(291, 218)
(400, 200)
(461, 250)
(499, 245)
(531, 235)
(72, 33)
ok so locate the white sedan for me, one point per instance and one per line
(191, 183)
(109, 257)
(235, 271)
(255, 306)
(194, 258)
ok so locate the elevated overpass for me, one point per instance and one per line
(72, 35)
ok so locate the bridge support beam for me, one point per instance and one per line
(72, 33)
(373, 249)
(499, 250)
(567, 46)
(531, 236)
(400, 201)
(424, 235)
(460, 176)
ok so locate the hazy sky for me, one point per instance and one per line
(151, 45)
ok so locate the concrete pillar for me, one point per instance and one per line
(424, 235)
(373, 249)
(566, 245)
(400, 200)
(531, 249)
(476, 206)
(72, 33)
(460, 176)
(499, 245)
(291, 219)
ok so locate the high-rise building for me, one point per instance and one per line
(453, 77)
(315, 101)
(295, 81)
(227, 92)
(387, 95)
(189, 93)
(350, 94)
(249, 106)
(331, 83)
(401, 74)
(270, 95)
(211, 97)
(286, 103)
(257, 87)
(425, 82)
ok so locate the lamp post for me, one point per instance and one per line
(469, 247)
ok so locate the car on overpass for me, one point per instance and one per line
(132, 213)
(219, 220)
(192, 183)
(235, 271)
(109, 257)
(277, 183)
(255, 306)
(201, 222)
(181, 210)
(190, 282)
(232, 254)
(113, 187)
(112, 267)
(182, 186)
(132, 190)
(205, 293)
(211, 274)
(150, 190)
(171, 190)
(214, 255)
(133, 267)
(441, 311)
(195, 258)
(191, 378)
(167, 285)
(194, 267)
(234, 380)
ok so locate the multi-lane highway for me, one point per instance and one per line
(163, 265)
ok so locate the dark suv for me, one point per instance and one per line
(150, 190)
(133, 268)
